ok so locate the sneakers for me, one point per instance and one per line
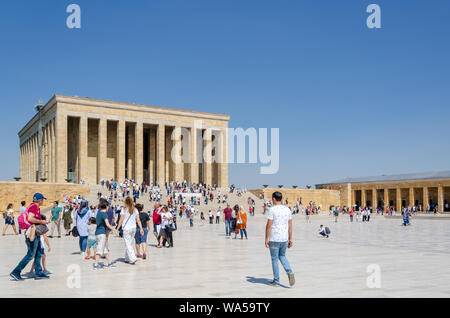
(30, 275)
(41, 276)
(47, 272)
(291, 279)
(274, 284)
(87, 258)
(138, 256)
(16, 277)
(144, 256)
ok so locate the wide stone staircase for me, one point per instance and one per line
(233, 199)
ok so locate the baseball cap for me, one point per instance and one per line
(39, 196)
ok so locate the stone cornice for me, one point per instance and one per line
(138, 107)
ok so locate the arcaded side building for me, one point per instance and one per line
(403, 190)
(84, 139)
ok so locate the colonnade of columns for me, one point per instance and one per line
(400, 197)
(29, 155)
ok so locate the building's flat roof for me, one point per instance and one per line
(394, 177)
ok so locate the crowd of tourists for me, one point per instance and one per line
(116, 213)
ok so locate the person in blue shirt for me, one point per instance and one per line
(100, 233)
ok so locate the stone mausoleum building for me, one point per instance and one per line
(403, 190)
(84, 139)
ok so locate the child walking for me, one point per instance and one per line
(44, 243)
(92, 240)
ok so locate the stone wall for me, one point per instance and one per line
(15, 192)
(324, 198)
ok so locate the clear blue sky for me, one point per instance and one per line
(349, 101)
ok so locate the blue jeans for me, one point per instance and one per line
(191, 222)
(243, 232)
(83, 243)
(33, 251)
(228, 227)
(278, 252)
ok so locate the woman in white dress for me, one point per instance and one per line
(128, 220)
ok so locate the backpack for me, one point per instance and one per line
(327, 230)
(24, 224)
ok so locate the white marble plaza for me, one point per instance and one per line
(414, 262)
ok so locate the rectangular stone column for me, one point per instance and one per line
(61, 147)
(207, 157)
(27, 160)
(440, 198)
(178, 166)
(32, 158)
(131, 153)
(45, 152)
(194, 164)
(160, 155)
(21, 162)
(411, 197)
(398, 197)
(152, 156)
(363, 197)
(223, 163)
(426, 199)
(22, 156)
(139, 152)
(35, 158)
(102, 149)
(53, 150)
(49, 150)
(121, 151)
(36, 153)
(386, 198)
(374, 200)
(24, 162)
(83, 148)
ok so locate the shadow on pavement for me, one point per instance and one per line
(262, 281)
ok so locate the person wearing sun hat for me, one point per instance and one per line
(33, 247)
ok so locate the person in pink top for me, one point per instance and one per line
(156, 221)
(227, 216)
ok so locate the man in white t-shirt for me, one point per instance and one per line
(279, 237)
